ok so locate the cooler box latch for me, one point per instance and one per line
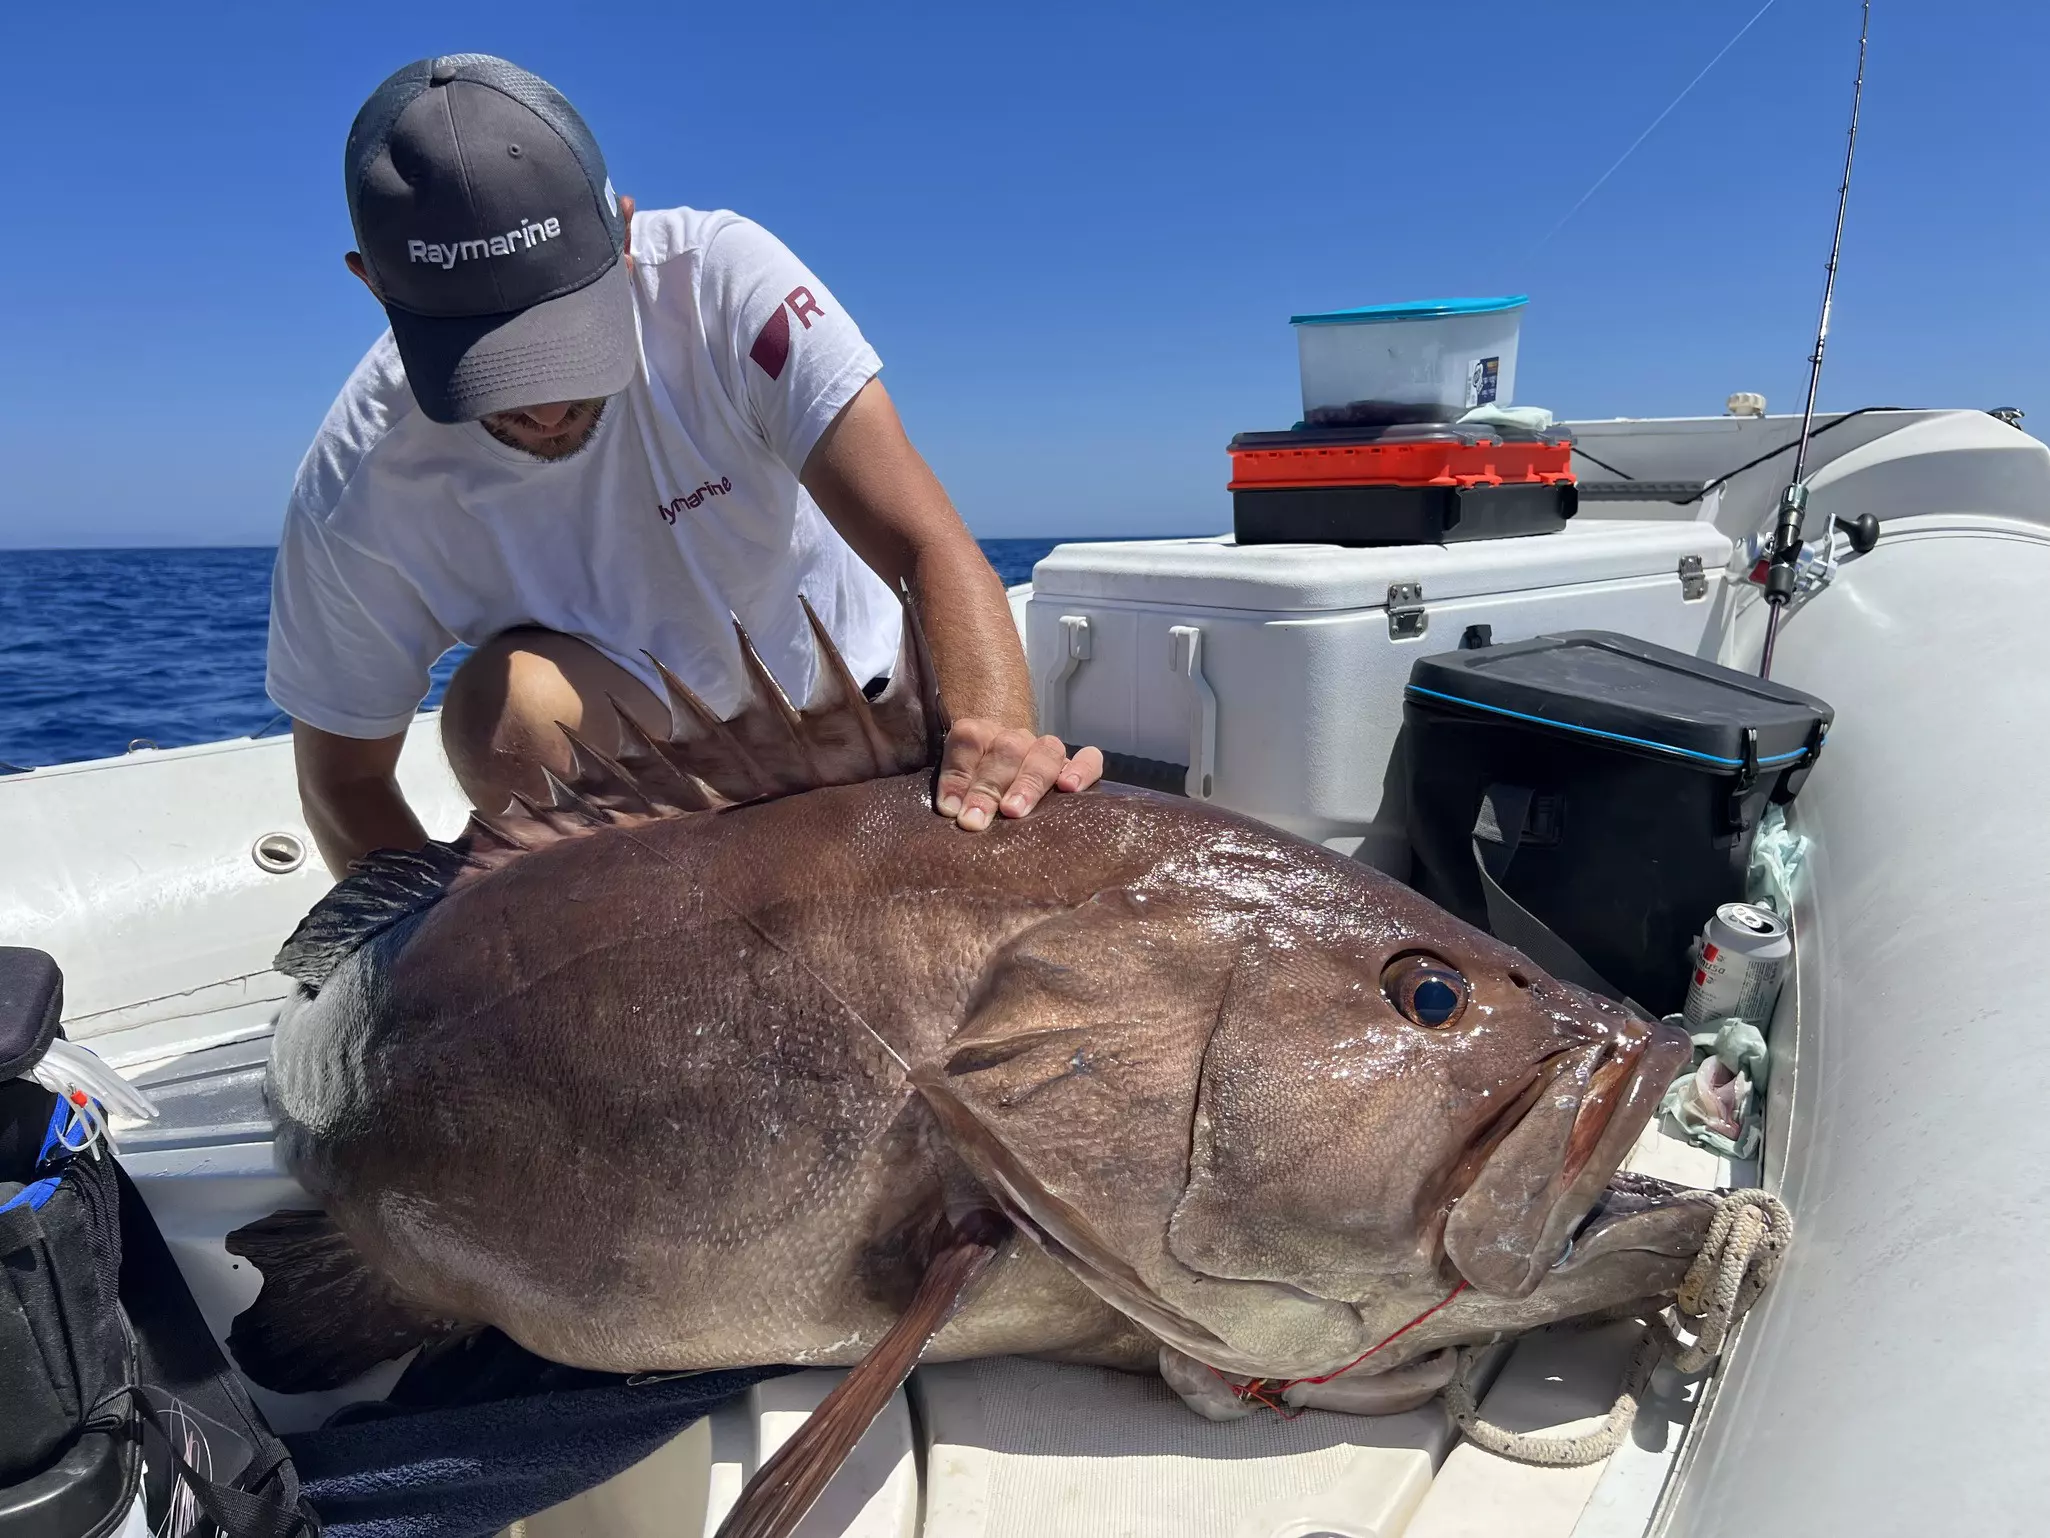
(1693, 580)
(1406, 616)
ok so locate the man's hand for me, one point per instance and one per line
(989, 768)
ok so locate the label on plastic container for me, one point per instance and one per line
(1481, 377)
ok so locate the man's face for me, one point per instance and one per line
(554, 431)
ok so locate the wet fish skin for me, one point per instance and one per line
(694, 1093)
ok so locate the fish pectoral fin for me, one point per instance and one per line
(323, 1317)
(784, 1488)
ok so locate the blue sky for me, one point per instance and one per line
(1075, 233)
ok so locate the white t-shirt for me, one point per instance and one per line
(405, 536)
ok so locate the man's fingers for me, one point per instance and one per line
(966, 743)
(1083, 770)
(1042, 764)
(987, 769)
(1000, 763)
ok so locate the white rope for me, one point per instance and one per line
(1745, 1243)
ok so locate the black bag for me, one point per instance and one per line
(64, 1349)
(105, 1361)
(1601, 785)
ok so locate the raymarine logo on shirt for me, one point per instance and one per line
(675, 505)
(531, 233)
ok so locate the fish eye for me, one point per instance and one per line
(1425, 990)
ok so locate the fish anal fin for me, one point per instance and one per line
(784, 1488)
(323, 1317)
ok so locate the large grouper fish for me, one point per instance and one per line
(737, 1054)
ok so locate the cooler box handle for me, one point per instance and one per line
(1053, 689)
(1186, 658)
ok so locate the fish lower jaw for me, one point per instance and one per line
(1639, 1212)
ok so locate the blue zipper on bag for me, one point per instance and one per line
(56, 1152)
(1595, 731)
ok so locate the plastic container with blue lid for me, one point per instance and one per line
(1427, 361)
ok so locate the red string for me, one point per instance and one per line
(1268, 1391)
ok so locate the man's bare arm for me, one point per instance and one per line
(349, 791)
(884, 499)
(886, 502)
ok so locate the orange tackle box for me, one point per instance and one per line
(1416, 483)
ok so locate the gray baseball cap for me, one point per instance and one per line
(488, 225)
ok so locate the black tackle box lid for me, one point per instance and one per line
(1632, 694)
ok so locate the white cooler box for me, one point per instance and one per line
(1269, 679)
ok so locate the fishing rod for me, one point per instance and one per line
(1793, 510)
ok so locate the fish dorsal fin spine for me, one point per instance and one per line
(590, 767)
(767, 749)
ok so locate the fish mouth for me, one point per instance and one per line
(1543, 1178)
(1641, 1213)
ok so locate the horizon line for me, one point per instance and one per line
(1058, 539)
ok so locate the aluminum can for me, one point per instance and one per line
(1743, 961)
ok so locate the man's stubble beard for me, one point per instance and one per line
(583, 419)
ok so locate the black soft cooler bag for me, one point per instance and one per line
(1609, 787)
(103, 1354)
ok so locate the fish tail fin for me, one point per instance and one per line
(323, 1317)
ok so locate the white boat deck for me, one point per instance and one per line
(1898, 1047)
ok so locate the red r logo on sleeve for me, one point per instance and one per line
(803, 306)
(771, 348)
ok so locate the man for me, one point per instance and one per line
(587, 434)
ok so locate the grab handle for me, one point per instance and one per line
(1053, 690)
(1186, 659)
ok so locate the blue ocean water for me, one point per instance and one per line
(101, 648)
